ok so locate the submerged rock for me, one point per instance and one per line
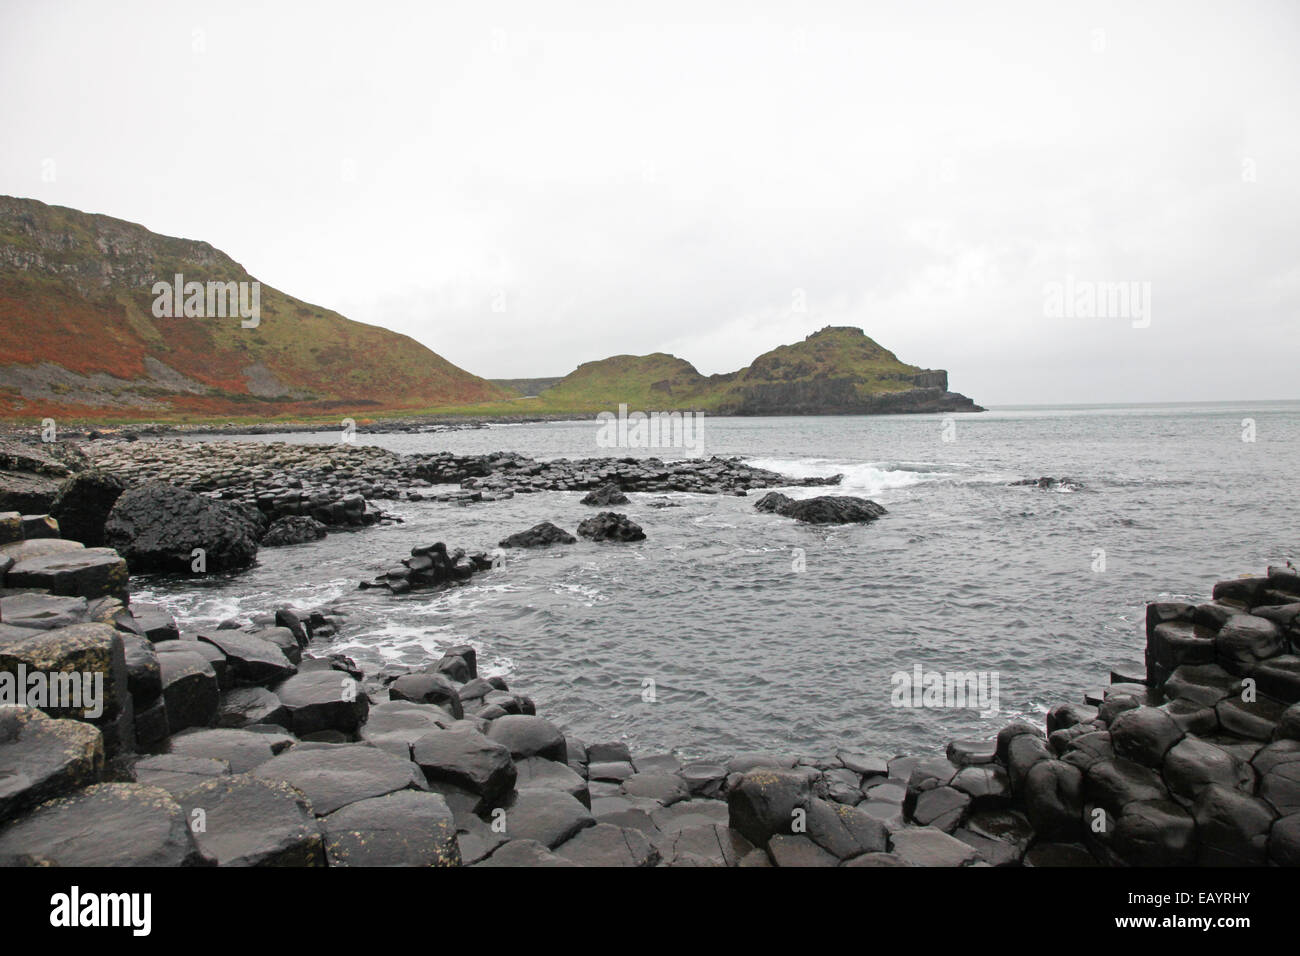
(539, 535)
(823, 509)
(607, 494)
(293, 529)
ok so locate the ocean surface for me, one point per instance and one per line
(728, 630)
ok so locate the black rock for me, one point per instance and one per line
(538, 536)
(83, 504)
(608, 526)
(293, 529)
(823, 509)
(607, 494)
(157, 527)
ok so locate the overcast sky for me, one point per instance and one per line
(682, 178)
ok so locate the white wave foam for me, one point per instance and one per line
(869, 477)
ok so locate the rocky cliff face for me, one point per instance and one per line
(79, 337)
(842, 397)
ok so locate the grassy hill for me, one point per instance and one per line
(78, 338)
(838, 370)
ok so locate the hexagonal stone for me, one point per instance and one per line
(1231, 827)
(177, 773)
(1155, 833)
(107, 824)
(428, 688)
(993, 852)
(189, 689)
(942, 807)
(658, 763)
(528, 853)
(394, 725)
(43, 758)
(987, 786)
(539, 773)
(763, 802)
(1114, 783)
(243, 750)
(155, 622)
(1144, 735)
(610, 771)
(88, 573)
(42, 612)
(242, 706)
(529, 736)
(1053, 796)
(926, 846)
(251, 660)
(798, 850)
(704, 779)
(252, 822)
(335, 775)
(1255, 719)
(1059, 854)
(1278, 678)
(467, 759)
(875, 860)
(1284, 841)
(79, 649)
(548, 816)
(1194, 764)
(1280, 784)
(1245, 640)
(1201, 683)
(407, 828)
(608, 845)
(843, 831)
(863, 763)
(664, 788)
(964, 753)
(323, 700)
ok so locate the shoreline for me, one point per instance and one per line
(309, 761)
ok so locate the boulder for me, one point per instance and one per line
(538, 536)
(406, 828)
(250, 822)
(43, 758)
(157, 527)
(609, 526)
(83, 504)
(104, 825)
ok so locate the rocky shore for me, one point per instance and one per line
(249, 744)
